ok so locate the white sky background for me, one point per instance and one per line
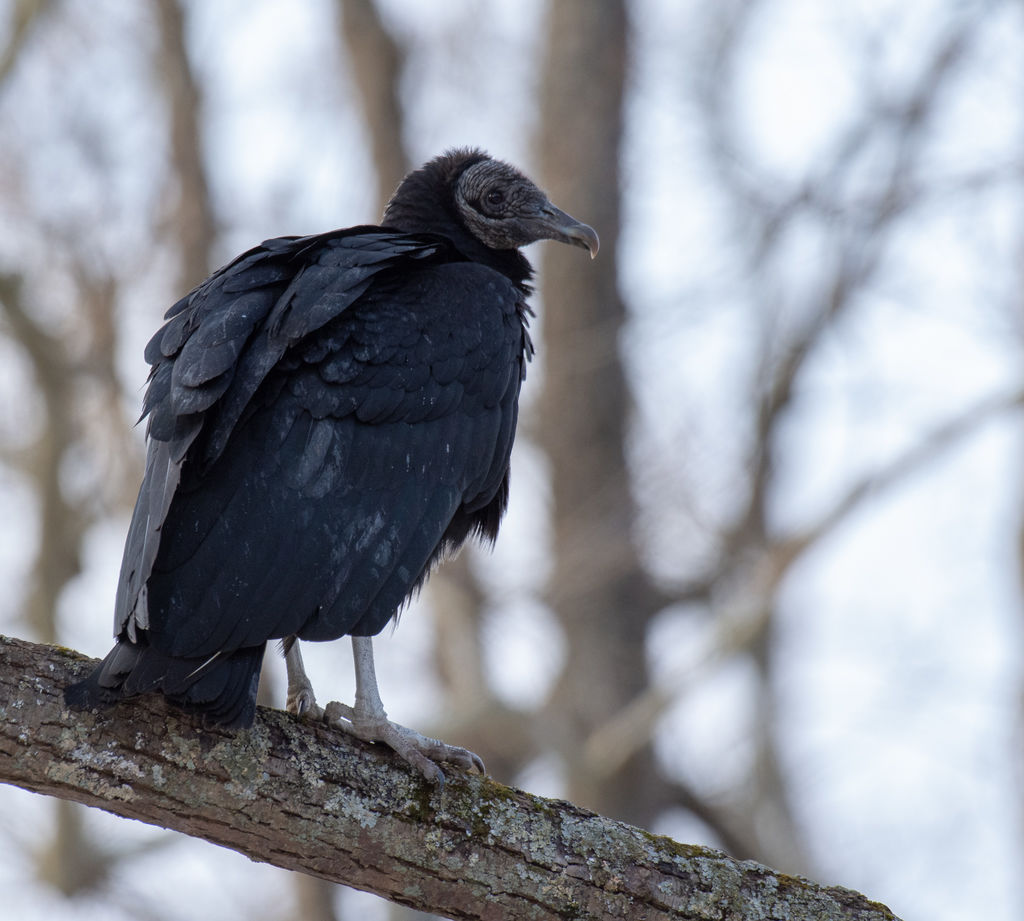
(901, 686)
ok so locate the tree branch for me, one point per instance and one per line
(307, 799)
(737, 627)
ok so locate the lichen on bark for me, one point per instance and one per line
(307, 799)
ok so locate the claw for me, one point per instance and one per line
(422, 752)
(367, 719)
(301, 700)
(303, 703)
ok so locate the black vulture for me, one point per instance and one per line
(328, 416)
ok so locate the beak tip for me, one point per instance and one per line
(586, 236)
(557, 225)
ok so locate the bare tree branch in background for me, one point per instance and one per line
(742, 580)
(65, 863)
(321, 803)
(735, 631)
(74, 368)
(61, 523)
(74, 373)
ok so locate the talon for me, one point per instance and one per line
(303, 703)
(421, 752)
(368, 721)
(301, 700)
(338, 715)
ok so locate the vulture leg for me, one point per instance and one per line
(301, 700)
(368, 721)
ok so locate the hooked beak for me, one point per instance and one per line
(554, 224)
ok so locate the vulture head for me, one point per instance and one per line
(466, 193)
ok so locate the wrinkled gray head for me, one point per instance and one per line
(487, 208)
(505, 210)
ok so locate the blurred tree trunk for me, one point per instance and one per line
(193, 226)
(599, 591)
(375, 62)
(61, 524)
(67, 861)
(26, 16)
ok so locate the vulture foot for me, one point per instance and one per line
(301, 700)
(422, 752)
(367, 719)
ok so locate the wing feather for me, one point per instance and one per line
(315, 429)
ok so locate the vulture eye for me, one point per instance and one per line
(495, 197)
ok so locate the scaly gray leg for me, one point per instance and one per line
(368, 721)
(301, 699)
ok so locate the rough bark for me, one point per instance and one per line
(306, 799)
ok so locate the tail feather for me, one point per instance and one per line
(221, 688)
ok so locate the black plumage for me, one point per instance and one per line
(327, 416)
